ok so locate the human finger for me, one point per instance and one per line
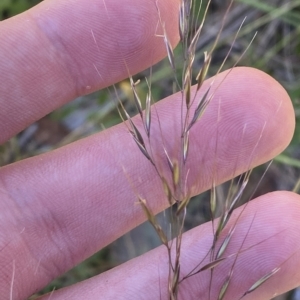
(59, 50)
(61, 207)
(265, 238)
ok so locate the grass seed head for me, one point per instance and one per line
(224, 288)
(203, 102)
(167, 190)
(259, 282)
(203, 71)
(136, 97)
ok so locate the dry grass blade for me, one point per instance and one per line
(167, 190)
(227, 214)
(187, 87)
(222, 249)
(169, 50)
(142, 148)
(203, 71)
(135, 132)
(185, 145)
(136, 97)
(170, 163)
(151, 218)
(188, 7)
(183, 21)
(148, 212)
(200, 108)
(175, 281)
(259, 282)
(225, 243)
(137, 137)
(176, 173)
(182, 205)
(148, 113)
(213, 201)
(296, 188)
(237, 197)
(224, 287)
(193, 43)
(210, 265)
(222, 222)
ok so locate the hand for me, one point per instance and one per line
(59, 208)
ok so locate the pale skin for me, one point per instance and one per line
(59, 208)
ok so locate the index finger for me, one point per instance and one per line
(49, 54)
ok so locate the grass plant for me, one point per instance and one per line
(194, 101)
(185, 69)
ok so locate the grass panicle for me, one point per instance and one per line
(261, 281)
(174, 184)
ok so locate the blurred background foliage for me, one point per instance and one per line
(275, 50)
(9, 8)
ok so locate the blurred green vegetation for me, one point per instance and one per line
(275, 50)
(9, 8)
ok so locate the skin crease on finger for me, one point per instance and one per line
(271, 226)
(49, 54)
(84, 201)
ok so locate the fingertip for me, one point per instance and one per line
(264, 239)
(59, 50)
(107, 41)
(273, 93)
(249, 121)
